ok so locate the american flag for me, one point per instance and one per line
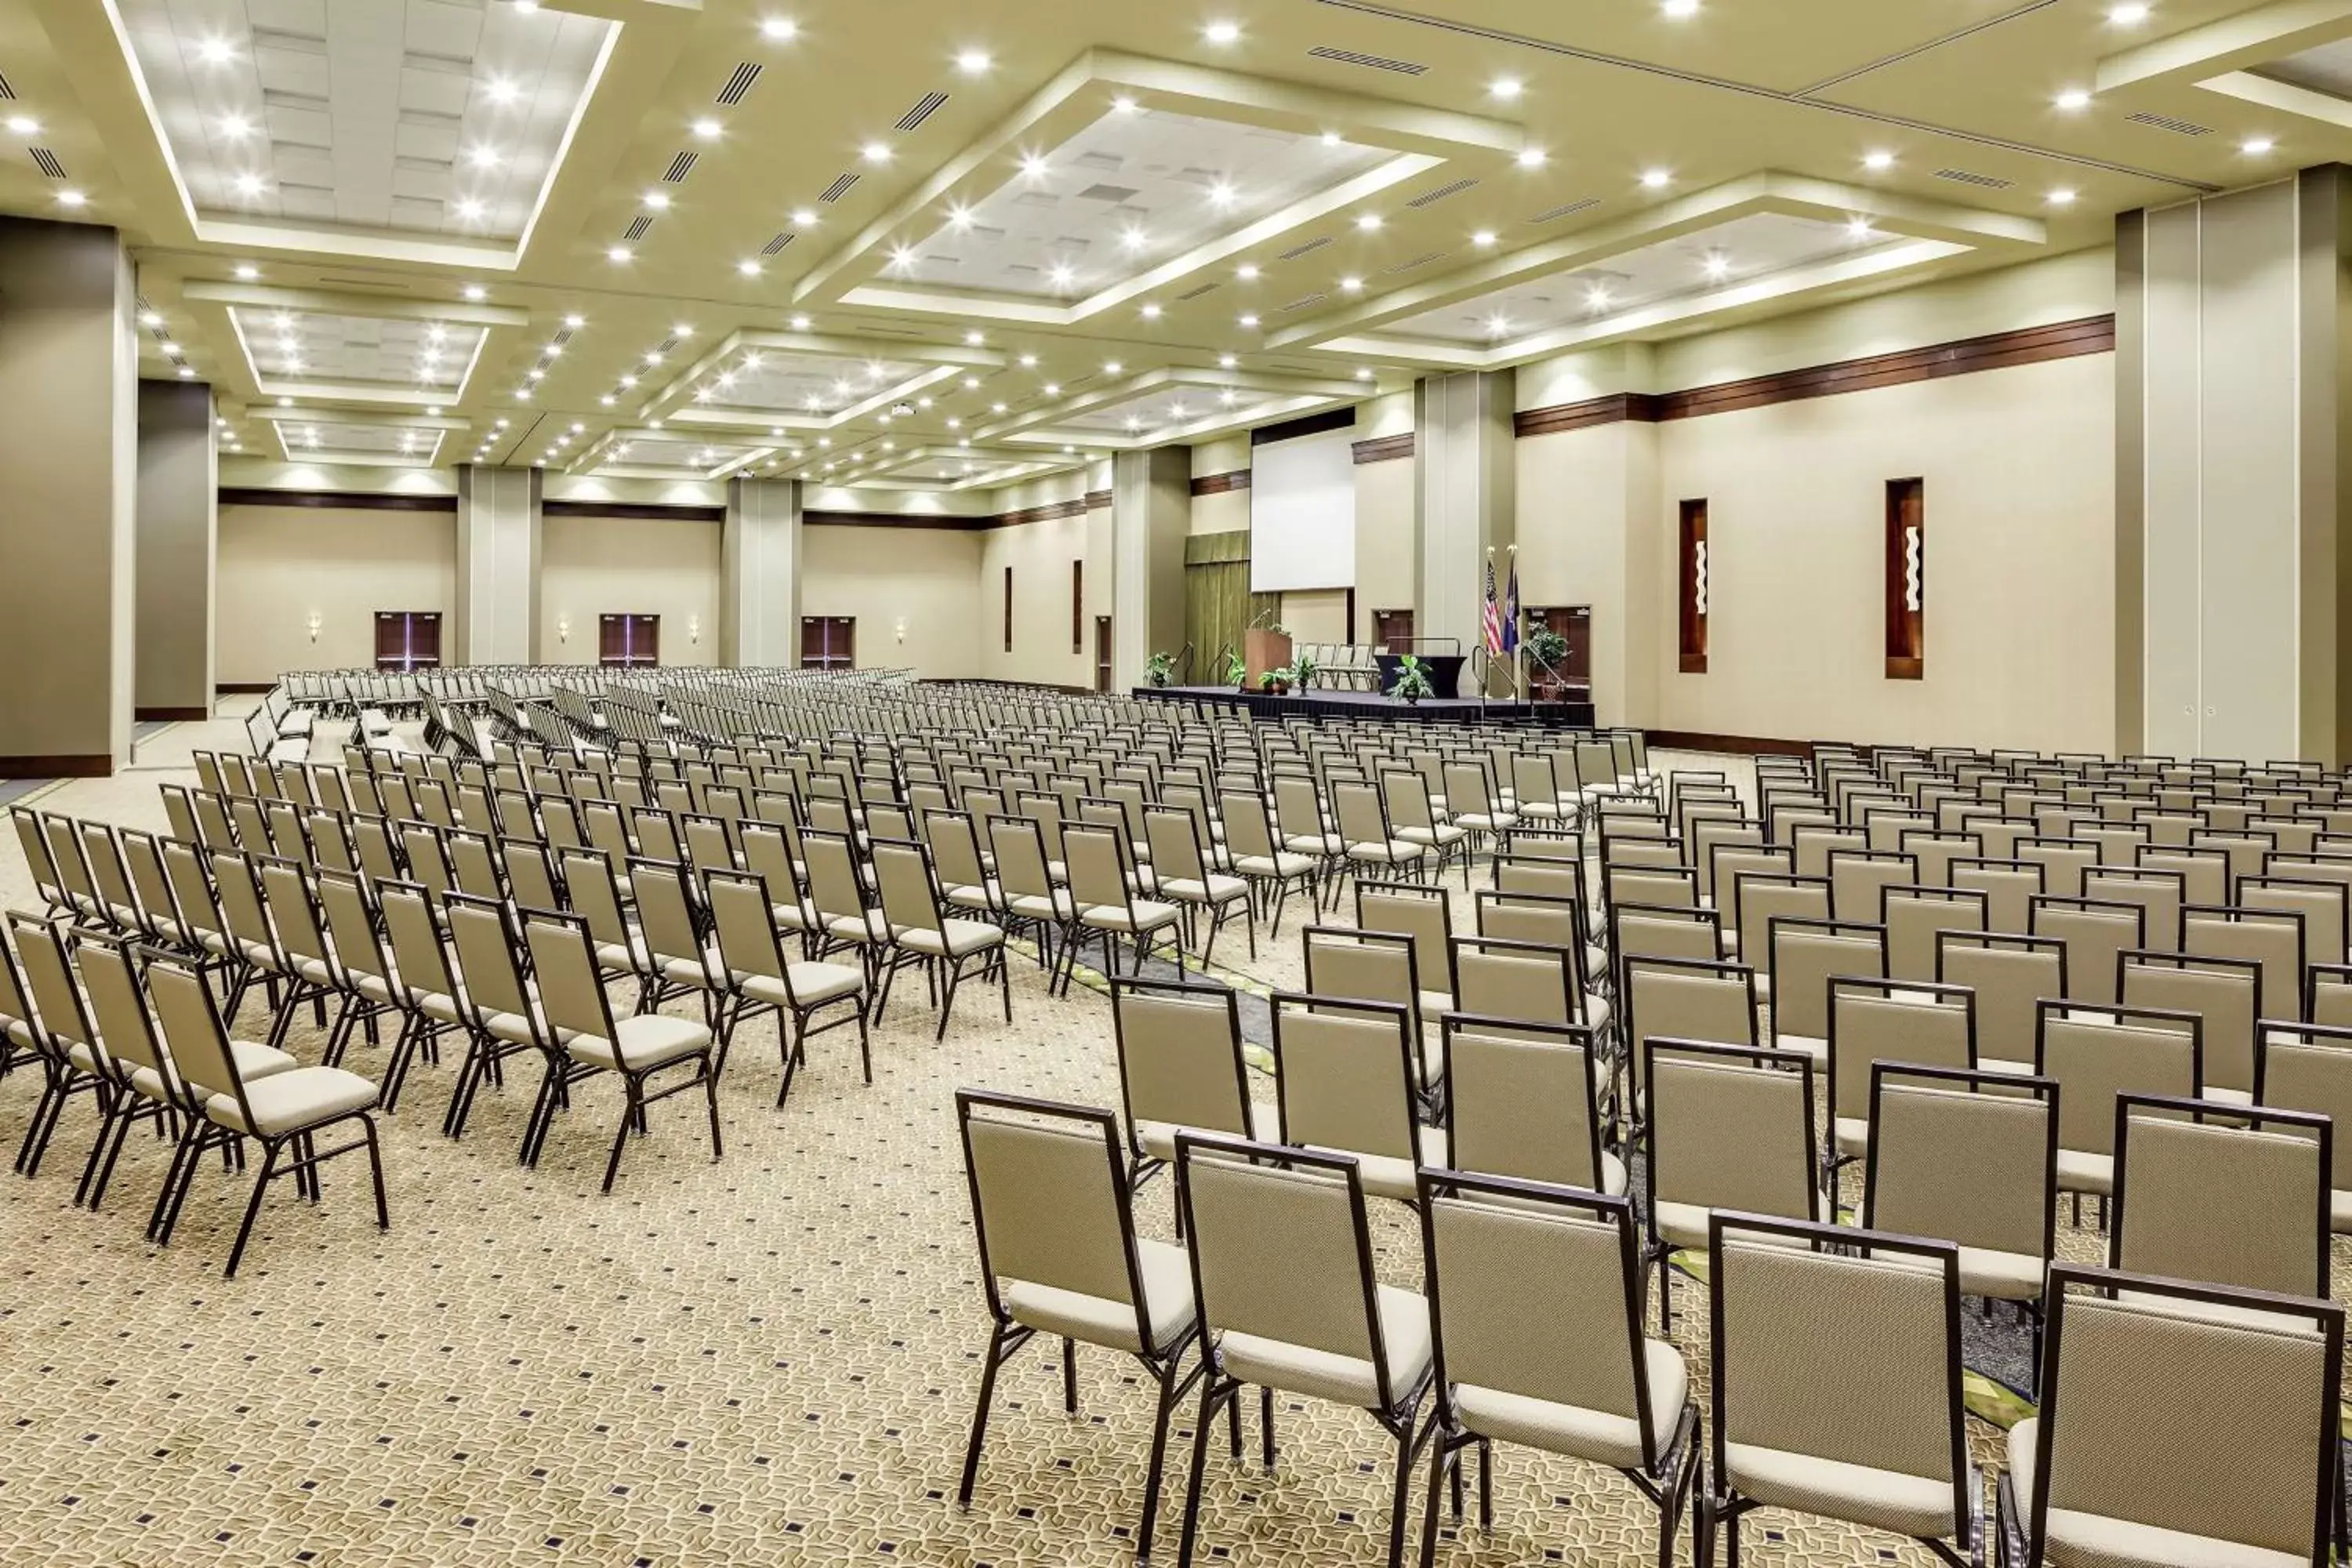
(1494, 614)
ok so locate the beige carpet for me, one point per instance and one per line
(772, 1358)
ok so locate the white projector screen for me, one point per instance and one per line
(1303, 513)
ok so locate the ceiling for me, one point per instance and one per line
(906, 245)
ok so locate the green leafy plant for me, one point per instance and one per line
(1236, 668)
(1160, 670)
(1413, 682)
(1546, 647)
(1270, 681)
(1301, 673)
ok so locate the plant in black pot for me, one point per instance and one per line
(1413, 682)
(1274, 682)
(1160, 670)
(1236, 670)
(1545, 649)
(1302, 672)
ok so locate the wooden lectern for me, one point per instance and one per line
(1264, 650)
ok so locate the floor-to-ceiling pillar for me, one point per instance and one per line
(178, 533)
(760, 568)
(1151, 511)
(1464, 441)
(69, 469)
(2235, 581)
(497, 565)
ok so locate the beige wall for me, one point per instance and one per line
(1317, 614)
(278, 564)
(927, 577)
(649, 565)
(1040, 555)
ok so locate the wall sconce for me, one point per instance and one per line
(694, 628)
(901, 628)
(563, 628)
(314, 623)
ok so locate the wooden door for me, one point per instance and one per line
(628, 642)
(407, 639)
(1574, 674)
(1102, 653)
(1392, 629)
(828, 642)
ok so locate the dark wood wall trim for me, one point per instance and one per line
(339, 500)
(896, 519)
(1996, 351)
(1305, 424)
(1739, 745)
(243, 687)
(73, 765)
(1384, 449)
(169, 715)
(649, 510)
(1098, 500)
(1051, 511)
(1221, 484)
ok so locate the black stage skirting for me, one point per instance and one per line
(1378, 708)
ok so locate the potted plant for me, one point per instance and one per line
(1413, 682)
(1302, 672)
(1275, 682)
(1160, 670)
(1546, 647)
(1236, 669)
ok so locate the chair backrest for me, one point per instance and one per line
(2062, 863)
(484, 941)
(286, 890)
(241, 904)
(2099, 1052)
(1050, 1201)
(1766, 897)
(2222, 990)
(1839, 1345)
(416, 937)
(1731, 1128)
(2308, 1067)
(571, 988)
(1728, 864)
(742, 915)
(1682, 999)
(1282, 1248)
(1180, 1061)
(2009, 887)
(2222, 1192)
(350, 923)
(1913, 1021)
(1344, 1073)
(2096, 933)
(1022, 868)
(1522, 1101)
(1805, 954)
(42, 952)
(2204, 873)
(1416, 910)
(1965, 1157)
(1663, 887)
(1916, 917)
(1538, 876)
(2321, 904)
(1858, 879)
(2235, 1437)
(1360, 965)
(1501, 979)
(664, 893)
(1647, 930)
(1535, 1291)
(192, 1031)
(2158, 892)
(902, 873)
(1097, 868)
(834, 885)
(2272, 937)
(110, 981)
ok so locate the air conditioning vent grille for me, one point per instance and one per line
(637, 227)
(46, 162)
(1422, 260)
(1431, 198)
(1968, 178)
(1303, 301)
(2166, 122)
(777, 244)
(1295, 251)
(740, 83)
(1196, 294)
(925, 106)
(1370, 62)
(839, 189)
(1566, 209)
(680, 167)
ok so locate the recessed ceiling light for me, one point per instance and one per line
(1228, 397)
(1678, 9)
(215, 52)
(877, 153)
(1718, 265)
(1596, 296)
(803, 217)
(1858, 227)
(619, 253)
(747, 268)
(534, 373)
(1221, 194)
(607, 400)
(799, 323)
(1227, 361)
(24, 125)
(2062, 197)
(1051, 389)
(1028, 362)
(470, 210)
(149, 319)
(1123, 104)
(1531, 157)
(2072, 98)
(246, 272)
(1879, 160)
(575, 321)
(681, 329)
(997, 407)
(1331, 139)
(168, 347)
(972, 62)
(1152, 313)
(783, 29)
(1369, 222)
(1112, 367)
(1062, 274)
(1657, 179)
(2255, 146)
(187, 373)
(1247, 272)
(658, 200)
(250, 184)
(476, 293)
(970, 383)
(1506, 87)
(484, 157)
(500, 91)
(1483, 238)
(1134, 239)
(1353, 285)
(629, 381)
(1249, 319)
(707, 128)
(2127, 16)
(1222, 32)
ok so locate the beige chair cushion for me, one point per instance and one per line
(1394, 852)
(253, 1061)
(646, 1040)
(1143, 914)
(615, 958)
(1884, 1500)
(1158, 1138)
(1344, 1380)
(1444, 835)
(1218, 890)
(1167, 1273)
(1391, 1175)
(847, 928)
(1037, 906)
(1436, 1003)
(2084, 1172)
(954, 938)
(1817, 1049)
(813, 982)
(1282, 864)
(2004, 1276)
(291, 1101)
(2093, 1537)
(1572, 1430)
(1313, 843)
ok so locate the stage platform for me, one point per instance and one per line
(1379, 709)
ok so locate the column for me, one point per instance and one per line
(178, 532)
(2232, 602)
(760, 571)
(1151, 511)
(68, 466)
(497, 565)
(1464, 439)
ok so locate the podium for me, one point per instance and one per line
(1264, 650)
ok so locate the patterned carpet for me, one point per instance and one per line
(770, 1358)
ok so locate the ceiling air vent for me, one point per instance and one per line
(5, 90)
(637, 227)
(925, 106)
(2166, 122)
(1431, 198)
(1565, 209)
(839, 189)
(1422, 260)
(1370, 62)
(777, 244)
(561, 338)
(680, 167)
(1303, 301)
(46, 162)
(739, 84)
(1295, 251)
(1203, 289)
(1968, 178)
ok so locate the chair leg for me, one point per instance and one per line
(947, 1004)
(789, 1040)
(711, 1095)
(1441, 1457)
(1401, 1495)
(621, 1139)
(998, 1352)
(1069, 1377)
(375, 1170)
(185, 1156)
(269, 1148)
(1200, 1465)
(1169, 1390)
